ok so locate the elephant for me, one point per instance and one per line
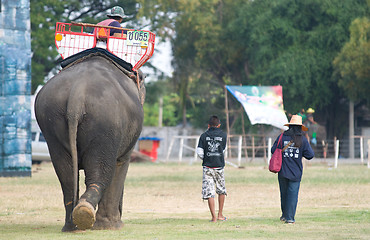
(91, 115)
(320, 144)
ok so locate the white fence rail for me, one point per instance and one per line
(252, 146)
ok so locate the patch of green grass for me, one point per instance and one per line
(349, 174)
(337, 224)
(333, 204)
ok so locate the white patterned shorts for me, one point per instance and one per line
(213, 182)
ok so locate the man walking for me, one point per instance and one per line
(211, 148)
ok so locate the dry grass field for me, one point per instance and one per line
(163, 201)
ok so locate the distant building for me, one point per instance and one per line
(15, 88)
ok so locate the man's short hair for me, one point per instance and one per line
(214, 121)
(116, 18)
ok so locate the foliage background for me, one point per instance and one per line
(318, 50)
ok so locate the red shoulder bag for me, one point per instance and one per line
(277, 157)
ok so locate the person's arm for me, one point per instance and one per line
(116, 32)
(307, 150)
(200, 152)
(200, 148)
(224, 144)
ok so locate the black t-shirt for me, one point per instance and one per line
(213, 142)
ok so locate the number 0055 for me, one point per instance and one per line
(138, 36)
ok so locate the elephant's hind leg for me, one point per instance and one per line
(109, 211)
(61, 162)
(99, 170)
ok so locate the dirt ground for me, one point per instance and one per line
(245, 197)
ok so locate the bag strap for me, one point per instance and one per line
(281, 135)
(286, 146)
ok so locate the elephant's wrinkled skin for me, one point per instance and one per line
(91, 113)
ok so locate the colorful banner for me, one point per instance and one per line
(263, 104)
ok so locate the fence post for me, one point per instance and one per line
(336, 154)
(269, 145)
(228, 154)
(253, 153)
(181, 147)
(169, 149)
(195, 151)
(240, 150)
(362, 149)
(368, 153)
(264, 147)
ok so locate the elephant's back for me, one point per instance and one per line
(96, 80)
(95, 88)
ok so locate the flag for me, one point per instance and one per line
(263, 104)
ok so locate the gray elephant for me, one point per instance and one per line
(91, 116)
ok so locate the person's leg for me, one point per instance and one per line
(208, 191)
(221, 201)
(211, 205)
(283, 185)
(291, 201)
(221, 191)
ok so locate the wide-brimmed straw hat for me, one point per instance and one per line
(296, 120)
(117, 12)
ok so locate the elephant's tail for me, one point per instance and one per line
(72, 130)
(73, 116)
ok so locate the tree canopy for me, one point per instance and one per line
(353, 62)
(318, 50)
(289, 43)
(44, 16)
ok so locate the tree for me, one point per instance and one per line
(218, 42)
(293, 43)
(45, 14)
(287, 42)
(197, 33)
(352, 63)
(154, 91)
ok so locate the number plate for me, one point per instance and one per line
(138, 38)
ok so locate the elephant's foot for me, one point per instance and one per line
(83, 215)
(69, 227)
(105, 224)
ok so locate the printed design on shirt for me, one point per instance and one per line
(213, 146)
(291, 151)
